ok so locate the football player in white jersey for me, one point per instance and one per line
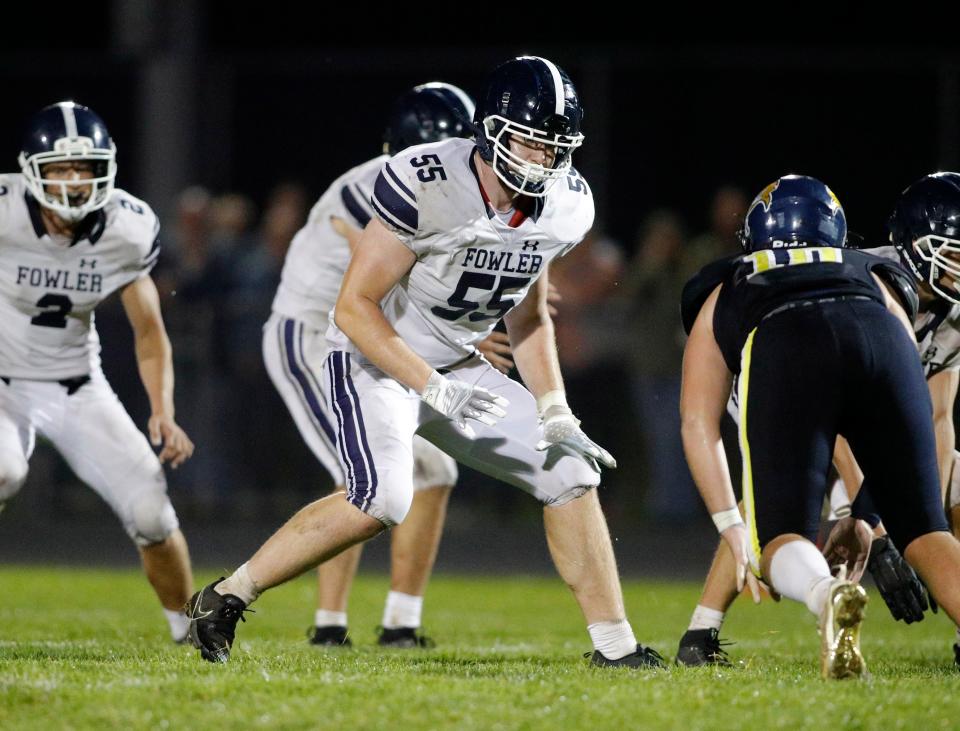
(462, 236)
(294, 349)
(68, 239)
(925, 236)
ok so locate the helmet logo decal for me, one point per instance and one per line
(766, 196)
(833, 197)
(504, 101)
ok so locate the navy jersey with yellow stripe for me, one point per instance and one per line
(761, 282)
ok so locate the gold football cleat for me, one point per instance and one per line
(840, 656)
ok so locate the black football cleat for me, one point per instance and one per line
(702, 647)
(956, 655)
(213, 621)
(403, 638)
(331, 635)
(643, 657)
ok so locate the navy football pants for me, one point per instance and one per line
(839, 367)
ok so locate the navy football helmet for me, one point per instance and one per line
(531, 100)
(428, 113)
(925, 229)
(794, 211)
(67, 132)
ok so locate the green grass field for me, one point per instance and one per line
(89, 649)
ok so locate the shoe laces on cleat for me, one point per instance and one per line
(213, 620)
(703, 647)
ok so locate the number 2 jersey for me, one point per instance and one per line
(472, 265)
(50, 286)
(761, 283)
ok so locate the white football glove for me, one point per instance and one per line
(459, 401)
(561, 428)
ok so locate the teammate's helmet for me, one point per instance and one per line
(428, 113)
(66, 132)
(530, 99)
(794, 211)
(925, 229)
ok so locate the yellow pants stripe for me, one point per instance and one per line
(743, 386)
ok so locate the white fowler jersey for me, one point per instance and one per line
(49, 286)
(472, 267)
(937, 329)
(318, 256)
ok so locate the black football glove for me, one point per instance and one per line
(901, 589)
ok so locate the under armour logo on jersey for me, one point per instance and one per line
(92, 263)
(530, 245)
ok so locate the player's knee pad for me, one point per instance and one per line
(571, 493)
(571, 478)
(13, 473)
(390, 507)
(151, 518)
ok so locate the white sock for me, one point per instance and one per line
(613, 639)
(799, 571)
(326, 618)
(706, 618)
(240, 585)
(402, 610)
(179, 624)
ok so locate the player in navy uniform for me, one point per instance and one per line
(820, 344)
(923, 231)
(463, 236)
(68, 239)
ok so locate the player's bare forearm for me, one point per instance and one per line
(708, 463)
(151, 344)
(363, 322)
(943, 392)
(703, 395)
(847, 466)
(155, 362)
(379, 262)
(532, 339)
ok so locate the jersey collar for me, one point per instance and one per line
(92, 227)
(524, 206)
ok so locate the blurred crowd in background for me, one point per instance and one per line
(618, 330)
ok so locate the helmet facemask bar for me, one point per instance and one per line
(943, 255)
(518, 174)
(53, 193)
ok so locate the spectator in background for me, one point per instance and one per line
(727, 210)
(261, 432)
(589, 334)
(651, 295)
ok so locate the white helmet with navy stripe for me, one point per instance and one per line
(533, 100)
(68, 132)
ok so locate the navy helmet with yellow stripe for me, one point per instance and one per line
(794, 211)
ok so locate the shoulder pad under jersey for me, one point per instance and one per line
(698, 289)
(903, 284)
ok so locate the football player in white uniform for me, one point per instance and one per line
(463, 234)
(925, 235)
(68, 239)
(294, 349)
